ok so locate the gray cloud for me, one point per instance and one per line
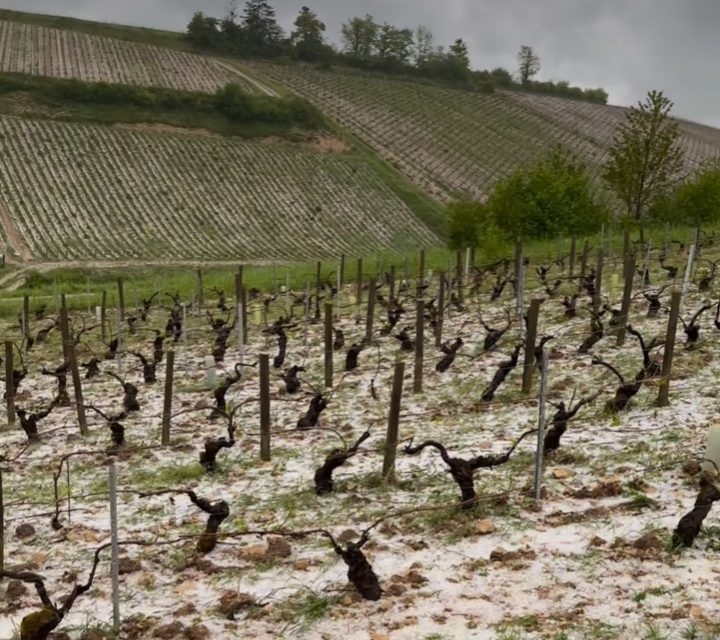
(625, 46)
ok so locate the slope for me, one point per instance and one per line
(106, 193)
(458, 143)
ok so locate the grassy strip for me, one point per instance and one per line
(156, 37)
(84, 286)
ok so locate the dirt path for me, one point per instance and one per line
(13, 235)
(258, 85)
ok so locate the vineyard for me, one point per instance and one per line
(453, 142)
(282, 471)
(57, 53)
(76, 192)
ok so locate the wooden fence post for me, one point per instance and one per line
(341, 275)
(597, 298)
(318, 268)
(167, 401)
(419, 346)
(459, 274)
(583, 260)
(77, 386)
(393, 430)
(64, 328)
(421, 271)
(541, 426)
(573, 250)
(392, 283)
(121, 301)
(9, 383)
(663, 399)
(359, 285)
(519, 280)
(201, 292)
(530, 339)
(265, 406)
(245, 326)
(629, 263)
(103, 316)
(26, 316)
(370, 312)
(441, 310)
(329, 346)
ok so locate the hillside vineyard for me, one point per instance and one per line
(454, 142)
(57, 53)
(92, 192)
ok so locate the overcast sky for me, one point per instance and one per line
(626, 46)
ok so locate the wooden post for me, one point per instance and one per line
(64, 328)
(238, 286)
(201, 292)
(530, 339)
(342, 269)
(265, 406)
(26, 316)
(329, 346)
(318, 268)
(359, 284)
(393, 430)
(114, 561)
(627, 293)
(663, 399)
(573, 250)
(392, 283)
(598, 281)
(583, 260)
(121, 301)
(244, 298)
(688, 271)
(419, 346)
(541, 426)
(167, 402)
(77, 386)
(459, 274)
(103, 316)
(626, 243)
(370, 312)
(519, 280)
(421, 270)
(9, 386)
(441, 310)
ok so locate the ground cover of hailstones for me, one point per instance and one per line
(591, 560)
(449, 140)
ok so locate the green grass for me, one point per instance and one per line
(157, 37)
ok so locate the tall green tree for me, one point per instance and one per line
(646, 158)
(359, 36)
(458, 52)
(203, 31)
(262, 33)
(424, 46)
(696, 200)
(394, 46)
(554, 197)
(528, 64)
(308, 38)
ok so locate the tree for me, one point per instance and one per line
(646, 158)
(359, 35)
(262, 31)
(424, 46)
(308, 38)
(459, 54)
(466, 220)
(393, 45)
(555, 197)
(529, 64)
(696, 200)
(202, 31)
(502, 77)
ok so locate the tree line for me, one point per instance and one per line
(643, 182)
(369, 45)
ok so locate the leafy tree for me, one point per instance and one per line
(308, 38)
(502, 77)
(202, 30)
(466, 220)
(459, 54)
(529, 64)
(424, 46)
(696, 200)
(359, 36)
(262, 31)
(646, 158)
(555, 197)
(394, 46)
